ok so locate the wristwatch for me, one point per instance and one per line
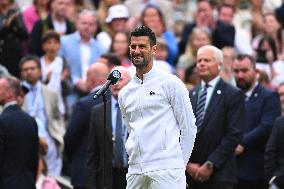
(209, 165)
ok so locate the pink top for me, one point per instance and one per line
(30, 16)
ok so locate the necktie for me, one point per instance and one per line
(118, 147)
(201, 106)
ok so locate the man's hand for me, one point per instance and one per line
(203, 173)
(192, 168)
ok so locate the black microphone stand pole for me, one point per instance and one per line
(104, 140)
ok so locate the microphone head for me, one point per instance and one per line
(114, 76)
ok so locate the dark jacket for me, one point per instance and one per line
(219, 133)
(75, 139)
(223, 35)
(262, 108)
(274, 154)
(40, 27)
(95, 148)
(18, 149)
(11, 42)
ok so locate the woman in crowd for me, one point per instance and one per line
(120, 47)
(38, 10)
(267, 60)
(153, 18)
(198, 38)
(12, 34)
(273, 28)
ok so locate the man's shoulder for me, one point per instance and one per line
(48, 91)
(12, 111)
(228, 88)
(265, 91)
(69, 38)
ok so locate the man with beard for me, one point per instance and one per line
(262, 108)
(159, 119)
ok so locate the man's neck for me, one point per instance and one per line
(49, 58)
(85, 40)
(251, 88)
(58, 18)
(140, 71)
(10, 102)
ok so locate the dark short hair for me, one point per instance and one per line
(241, 57)
(112, 59)
(144, 31)
(28, 58)
(50, 35)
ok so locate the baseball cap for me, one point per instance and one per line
(117, 11)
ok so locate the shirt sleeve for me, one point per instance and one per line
(180, 102)
(123, 113)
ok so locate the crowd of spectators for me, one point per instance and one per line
(52, 46)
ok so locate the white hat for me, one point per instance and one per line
(117, 11)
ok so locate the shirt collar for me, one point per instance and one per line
(96, 88)
(32, 87)
(249, 92)
(14, 102)
(152, 73)
(211, 83)
(113, 102)
(78, 38)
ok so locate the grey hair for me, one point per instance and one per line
(88, 12)
(217, 53)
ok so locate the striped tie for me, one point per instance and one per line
(201, 106)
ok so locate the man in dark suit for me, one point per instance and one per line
(274, 155)
(219, 111)
(18, 140)
(75, 139)
(262, 107)
(115, 166)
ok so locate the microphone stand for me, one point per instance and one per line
(104, 140)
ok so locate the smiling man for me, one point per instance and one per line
(160, 121)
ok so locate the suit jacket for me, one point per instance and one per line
(76, 138)
(40, 27)
(70, 50)
(55, 122)
(18, 149)
(220, 131)
(96, 146)
(274, 154)
(262, 108)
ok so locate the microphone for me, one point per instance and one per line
(112, 79)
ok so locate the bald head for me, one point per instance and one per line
(96, 75)
(9, 89)
(125, 78)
